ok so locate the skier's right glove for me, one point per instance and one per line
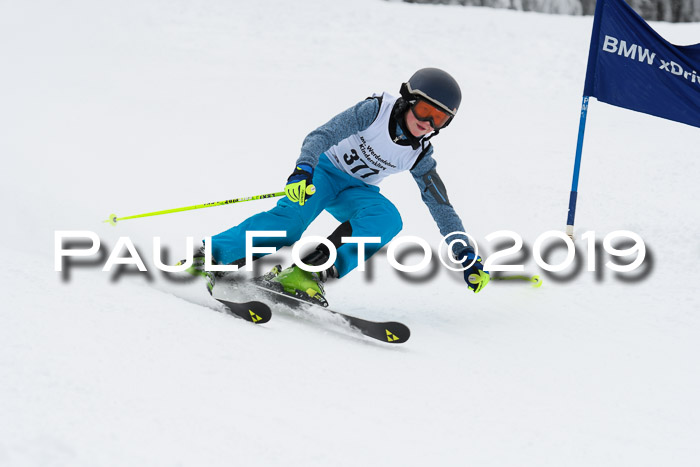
(475, 276)
(299, 187)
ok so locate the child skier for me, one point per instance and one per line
(345, 160)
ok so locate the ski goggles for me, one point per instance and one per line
(426, 112)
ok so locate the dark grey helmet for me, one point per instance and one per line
(435, 86)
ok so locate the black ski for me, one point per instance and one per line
(390, 331)
(255, 312)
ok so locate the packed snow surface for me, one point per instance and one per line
(137, 106)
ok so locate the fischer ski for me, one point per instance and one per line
(254, 311)
(391, 331)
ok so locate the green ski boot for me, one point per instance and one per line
(305, 285)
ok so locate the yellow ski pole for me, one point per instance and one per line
(535, 280)
(113, 217)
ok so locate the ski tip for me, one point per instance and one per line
(396, 333)
(259, 314)
(255, 312)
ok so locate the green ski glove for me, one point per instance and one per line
(475, 276)
(299, 187)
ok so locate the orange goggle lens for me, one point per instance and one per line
(426, 112)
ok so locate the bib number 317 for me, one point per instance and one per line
(352, 159)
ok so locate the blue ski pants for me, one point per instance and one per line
(346, 198)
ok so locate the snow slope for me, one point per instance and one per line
(137, 106)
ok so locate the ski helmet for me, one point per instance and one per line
(435, 86)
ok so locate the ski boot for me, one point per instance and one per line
(294, 281)
(197, 268)
(304, 285)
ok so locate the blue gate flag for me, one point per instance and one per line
(631, 66)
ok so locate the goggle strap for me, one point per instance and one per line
(417, 93)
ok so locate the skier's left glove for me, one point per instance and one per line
(299, 187)
(475, 275)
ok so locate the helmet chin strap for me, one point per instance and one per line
(401, 108)
(434, 133)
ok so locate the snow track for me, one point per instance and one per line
(148, 105)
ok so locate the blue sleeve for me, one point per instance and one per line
(347, 123)
(434, 196)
